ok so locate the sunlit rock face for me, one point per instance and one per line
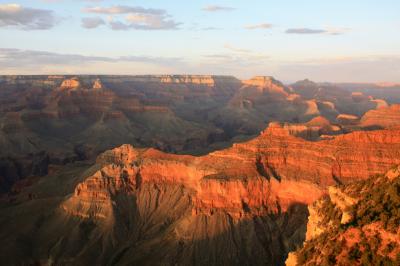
(97, 84)
(347, 119)
(193, 79)
(384, 117)
(207, 80)
(317, 128)
(70, 83)
(264, 82)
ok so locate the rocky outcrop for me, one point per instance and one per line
(351, 226)
(97, 84)
(339, 159)
(317, 128)
(346, 99)
(194, 79)
(312, 108)
(347, 119)
(380, 103)
(343, 202)
(266, 83)
(206, 80)
(385, 117)
(315, 223)
(242, 189)
(70, 83)
(393, 173)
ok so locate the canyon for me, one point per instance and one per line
(182, 170)
(60, 119)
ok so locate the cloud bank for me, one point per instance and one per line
(135, 17)
(24, 18)
(337, 31)
(91, 23)
(15, 58)
(215, 8)
(258, 26)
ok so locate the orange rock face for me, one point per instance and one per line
(70, 84)
(97, 84)
(201, 80)
(383, 117)
(266, 83)
(347, 119)
(269, 173)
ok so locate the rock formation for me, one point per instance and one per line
(317, 128)
(356, 224)
(347, 119)
(385, 117)
(70, 84)
(264, 82)
(97, 85)
(346, 99)
(199, 80)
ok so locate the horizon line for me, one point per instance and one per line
(380, 82)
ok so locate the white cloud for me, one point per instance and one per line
(328, 31)
(124, 10)
(259, 26)
(214, 8)
(136, 17)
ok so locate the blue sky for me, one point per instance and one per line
(325, 40)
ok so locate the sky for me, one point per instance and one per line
(322, 40)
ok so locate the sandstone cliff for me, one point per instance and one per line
(384, 117)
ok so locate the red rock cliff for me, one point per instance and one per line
(269, 173)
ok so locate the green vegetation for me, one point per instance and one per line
(380, 203)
